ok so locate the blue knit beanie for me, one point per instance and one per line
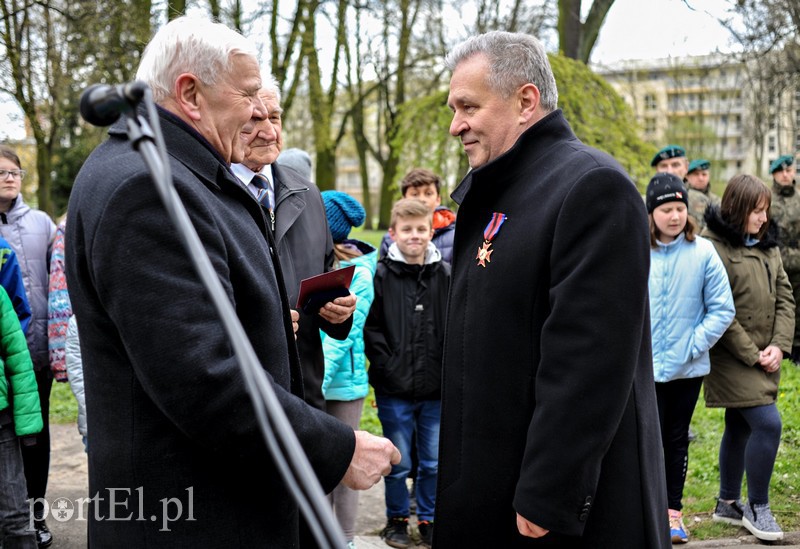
(343, 213)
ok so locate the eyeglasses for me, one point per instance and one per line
(16, 174)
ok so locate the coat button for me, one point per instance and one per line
(584, 516)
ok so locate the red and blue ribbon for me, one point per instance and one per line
(494, 225)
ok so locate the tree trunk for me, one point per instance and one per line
(577, 39)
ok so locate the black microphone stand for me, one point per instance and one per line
(275, 427)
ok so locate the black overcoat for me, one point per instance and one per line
(305, 249)
(548, 403)
(168, 415)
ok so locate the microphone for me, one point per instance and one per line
(102, 104)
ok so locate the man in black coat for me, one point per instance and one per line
(302, 237)
(176, 457)
(550, 433)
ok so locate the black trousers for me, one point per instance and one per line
(36, 458)
(676, 402)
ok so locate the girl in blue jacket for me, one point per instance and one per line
(691, 306)
(345, 383)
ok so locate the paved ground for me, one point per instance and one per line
(68, 480)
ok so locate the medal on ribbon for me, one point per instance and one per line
(485, 252)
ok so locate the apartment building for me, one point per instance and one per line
(716, 106)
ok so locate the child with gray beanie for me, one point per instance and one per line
(345, 383)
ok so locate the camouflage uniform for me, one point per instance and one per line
(699, 201)
(785, 213)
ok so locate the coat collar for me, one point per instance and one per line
(551, 129)
(210, 168)
(290, 197)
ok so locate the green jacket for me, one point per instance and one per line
(18, 380)
(764, 305)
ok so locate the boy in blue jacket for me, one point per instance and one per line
(404, 337)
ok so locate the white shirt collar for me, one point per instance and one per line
(245, 175)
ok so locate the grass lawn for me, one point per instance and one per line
(702, 480)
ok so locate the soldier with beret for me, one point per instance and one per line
(699, 189)
(785, 214)
(671, 159)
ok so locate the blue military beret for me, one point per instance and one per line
(781, 162)
(670, 151)
(699, 164)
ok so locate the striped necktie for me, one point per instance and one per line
(264, 190)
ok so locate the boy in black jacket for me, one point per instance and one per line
(404, 336)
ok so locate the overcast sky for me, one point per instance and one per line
(646, 29)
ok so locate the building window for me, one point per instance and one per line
(650, 103)
(771, 144)
(650, 126)
(797, 142)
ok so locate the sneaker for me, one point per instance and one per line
(43, 536)
(351, 545)
(677, 530)
(425, 532)
(728, 512)
(759, 520)
(396, 532)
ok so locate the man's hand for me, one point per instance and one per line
(339, 310)
(529, 529)
(373, 459)
(295, 321)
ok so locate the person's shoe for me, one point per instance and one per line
(759, 520)
(396, 532)
(677, 530)
(43, 536)
(425, 532)
(351, 545)
(728, 512)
